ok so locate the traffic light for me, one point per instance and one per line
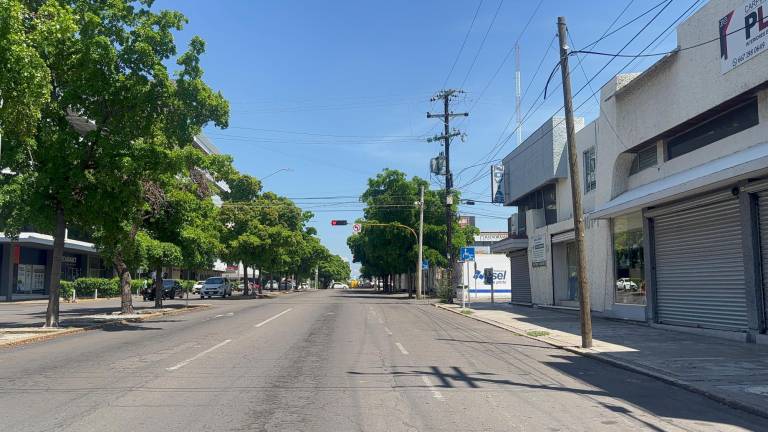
(336, 222)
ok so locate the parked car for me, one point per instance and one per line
(216, 286)
(171, 289)
(304, 286)
(626, 284)
(197, 286)
(287, 285)
(271, 285)
(339, 285)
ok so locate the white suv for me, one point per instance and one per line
(216, 286)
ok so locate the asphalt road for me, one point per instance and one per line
(332, 361)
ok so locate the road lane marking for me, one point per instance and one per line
(435, 394)
(381, 321)
(389, 332)
(401, 348)
(226, 314)
(274, 317)
(191, 359)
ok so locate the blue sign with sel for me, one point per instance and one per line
(467, 254)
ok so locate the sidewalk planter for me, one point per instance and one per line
(87, 287)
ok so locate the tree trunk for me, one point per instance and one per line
(159, 287)
(126, 299)
(261, 281)
(246, 291)
(52, 314)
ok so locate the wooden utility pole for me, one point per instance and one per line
(578, 212)
(446, 96)
(419, 270)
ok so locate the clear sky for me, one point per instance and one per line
(337, 90)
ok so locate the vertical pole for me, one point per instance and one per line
(317, 272)
(448, 195)
(578, 213)
(492, 299)
(419, 270)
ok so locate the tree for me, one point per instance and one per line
(158, 254)
(389, 200)
(333, 268)
(111, 126)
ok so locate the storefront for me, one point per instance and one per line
(519, 278)
(565, 270)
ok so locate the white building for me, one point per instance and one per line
(674, 174)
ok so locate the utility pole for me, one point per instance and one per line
(419, 270)
(446, 96)
(317, 272)
(578, 212)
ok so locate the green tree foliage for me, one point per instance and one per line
(390, 199)
(112, 126)
(333, 268)
(158, 254)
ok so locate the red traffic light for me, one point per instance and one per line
(338, 222)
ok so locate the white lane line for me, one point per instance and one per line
(274, 317)
(401, 348)
(381, 321)
(190, 360)
(389, 332)
(226, 314)
(435, 394)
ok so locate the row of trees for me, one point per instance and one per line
(98, 115)
(385, 251)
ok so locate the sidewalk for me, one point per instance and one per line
(734, 373)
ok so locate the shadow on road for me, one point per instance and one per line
(647, 394)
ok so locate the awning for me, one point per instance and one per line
(47, 241)
(719, 172)
(509, 244)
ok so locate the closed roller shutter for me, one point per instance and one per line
(700, 267)
(762, 212)
(520, 282)
(564, 237)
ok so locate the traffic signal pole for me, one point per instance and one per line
(578, 212)
(419, 269)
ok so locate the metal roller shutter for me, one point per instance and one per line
(564, 236)
(762, 211)
(700, 267)
(520, 282)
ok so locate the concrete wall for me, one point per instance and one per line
(540, 159)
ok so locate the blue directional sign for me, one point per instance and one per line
(467, 254)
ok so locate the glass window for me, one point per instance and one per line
(629, 259)
(723, 125)
(644, 158)
(590, 177)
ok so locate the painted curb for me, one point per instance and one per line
(749, 408)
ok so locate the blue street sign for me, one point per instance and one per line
(425, 264)
(467, 254)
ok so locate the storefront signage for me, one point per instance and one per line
(539, 251)
(16, 254)
(491, 236)
(497, 184)
(743, 34)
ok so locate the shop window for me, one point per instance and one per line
(590, 176)
(714, 129)
(629, 259)
(645, 158)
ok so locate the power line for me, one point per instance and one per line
(482, 43)
(464, 42)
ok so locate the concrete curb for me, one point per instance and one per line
(75, 330)
(606, 358)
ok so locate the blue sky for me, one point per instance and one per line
(336, 91)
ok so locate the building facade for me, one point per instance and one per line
(674, 177)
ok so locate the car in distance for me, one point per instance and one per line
(339, 285)
(216, 286)
(171, 289)
(626, 284)
(197, 286)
